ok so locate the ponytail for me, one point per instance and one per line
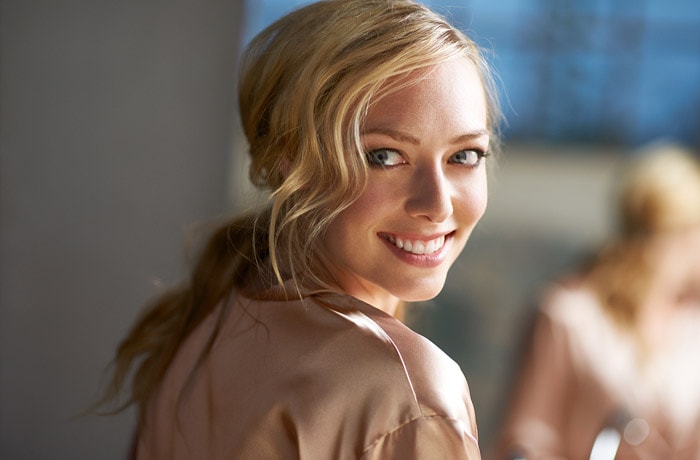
(230, 258)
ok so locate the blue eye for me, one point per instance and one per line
(385, 157)
(468, 157)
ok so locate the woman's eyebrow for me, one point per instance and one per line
(479, 133)
(394, 134)
(405, 137)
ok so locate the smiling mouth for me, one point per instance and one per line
(418, 247)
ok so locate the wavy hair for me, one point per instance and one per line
(306, 84)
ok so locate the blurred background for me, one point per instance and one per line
(118, 134)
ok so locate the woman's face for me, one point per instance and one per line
(427, 189)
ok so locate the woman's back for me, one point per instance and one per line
(269, 388)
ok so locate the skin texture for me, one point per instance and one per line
(425, 145)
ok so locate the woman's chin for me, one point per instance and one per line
(422, 293)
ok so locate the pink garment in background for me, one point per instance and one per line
(582, 372)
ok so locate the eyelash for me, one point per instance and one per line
(480, 154)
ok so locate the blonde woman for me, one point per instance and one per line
(613, 363)
(369, 122)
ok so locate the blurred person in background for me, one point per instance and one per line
(369, 121)
(613, 365)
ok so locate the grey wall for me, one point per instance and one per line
(115, 131)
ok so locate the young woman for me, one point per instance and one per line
(613, 358)
(369, 121)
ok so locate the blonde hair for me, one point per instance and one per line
(307, 82)
(659, 194)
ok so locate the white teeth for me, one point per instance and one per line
(417, 247)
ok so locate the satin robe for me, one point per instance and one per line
(326, 377)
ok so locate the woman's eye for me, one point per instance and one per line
(384, 157)
(468, 157)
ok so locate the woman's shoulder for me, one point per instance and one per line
(392, 370)
(377, 349)
(387, 338)
(336, 341)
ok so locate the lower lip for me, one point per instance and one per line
(421, 260)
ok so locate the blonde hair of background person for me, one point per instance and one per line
(311, 84)
(617, 345)
(658, 197)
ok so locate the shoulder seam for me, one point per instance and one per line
(363, 321)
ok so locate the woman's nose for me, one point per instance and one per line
(430, 195)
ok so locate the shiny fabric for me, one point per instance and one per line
(328, 377)
(583, 373)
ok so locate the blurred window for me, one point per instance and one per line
(602, 71)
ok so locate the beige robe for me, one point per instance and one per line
(329, 377)
(583, 373)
